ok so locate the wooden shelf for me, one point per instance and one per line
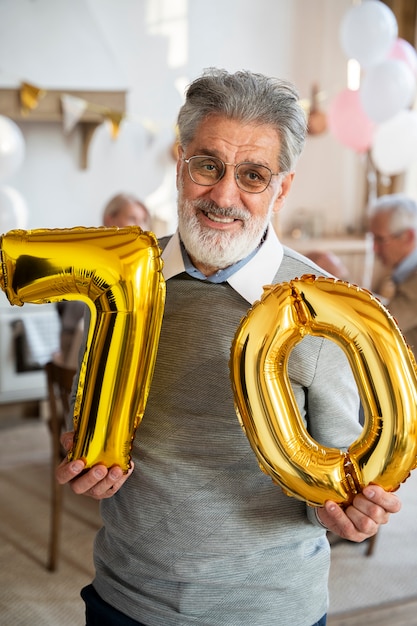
(49, 109)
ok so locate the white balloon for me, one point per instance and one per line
(367, 32)
(13, 209)
(386, 89)
(394, 146)
(12, 147)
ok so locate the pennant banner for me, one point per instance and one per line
(74, 108)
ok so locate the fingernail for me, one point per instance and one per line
(98, 473)
(77, 467)
(114, 474)
(370, 493)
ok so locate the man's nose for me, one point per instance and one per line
(226, 192)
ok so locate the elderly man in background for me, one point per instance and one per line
(393, 224)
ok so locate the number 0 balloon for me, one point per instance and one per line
(117, 272)
(385, 373)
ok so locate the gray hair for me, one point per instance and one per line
(402, 210)
(249, 98)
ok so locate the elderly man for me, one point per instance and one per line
(393, 224)
(195, 533)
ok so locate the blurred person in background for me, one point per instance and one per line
(393, 224)
(126, 210)
(329, 262)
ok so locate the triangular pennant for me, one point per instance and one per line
(72, 110)
(115, 118)
(30, 96)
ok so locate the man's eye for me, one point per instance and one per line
(254, 175)
(209, 166)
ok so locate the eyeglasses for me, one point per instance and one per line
(381, 240)
(209, 170)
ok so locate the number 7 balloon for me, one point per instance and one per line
(118, 274)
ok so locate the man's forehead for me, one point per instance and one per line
(380, 220)
(218, 134)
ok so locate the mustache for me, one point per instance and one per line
(208, 206)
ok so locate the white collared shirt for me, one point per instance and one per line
(249, 280)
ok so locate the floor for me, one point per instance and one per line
(398, 614)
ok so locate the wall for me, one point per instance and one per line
(153, 49)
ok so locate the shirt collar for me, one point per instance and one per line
(249, 280)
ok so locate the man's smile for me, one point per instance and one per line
(219, 218)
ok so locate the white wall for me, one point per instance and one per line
(153, 48)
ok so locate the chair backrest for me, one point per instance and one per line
(60, 381)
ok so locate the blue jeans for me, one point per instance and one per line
(99, 613)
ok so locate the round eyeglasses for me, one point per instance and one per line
(381, 240)
(209, 170)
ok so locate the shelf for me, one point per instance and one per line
(49, 109)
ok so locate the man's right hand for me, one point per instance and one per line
(99, 482)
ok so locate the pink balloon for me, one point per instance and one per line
(349, 123)
(404, 51)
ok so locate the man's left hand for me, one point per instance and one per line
(369, 510)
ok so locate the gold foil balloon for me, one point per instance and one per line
(117, 273)
(384, 370)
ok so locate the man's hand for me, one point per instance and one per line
(361, 520)
(98, 482)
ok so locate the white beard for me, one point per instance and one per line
(215, 248)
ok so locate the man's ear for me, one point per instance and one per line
(180, 152)
(411, 235)
(285, 190)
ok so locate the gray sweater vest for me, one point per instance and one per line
(199, 534)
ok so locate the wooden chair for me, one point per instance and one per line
(59, 379)
(371, 545)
